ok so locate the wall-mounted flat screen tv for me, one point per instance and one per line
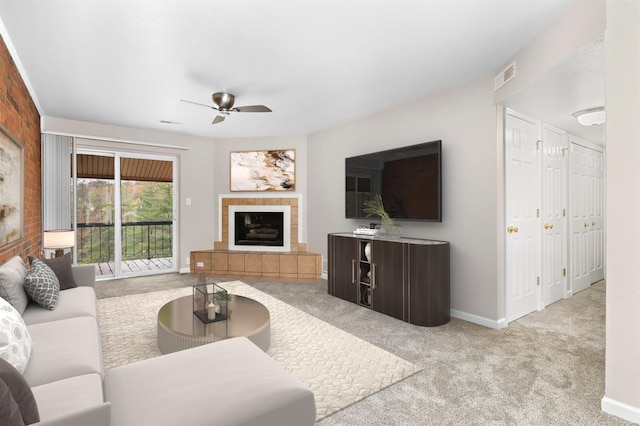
(409, 179)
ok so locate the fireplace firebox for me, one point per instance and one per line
(259, 229)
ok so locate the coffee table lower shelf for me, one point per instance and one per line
(179, 328)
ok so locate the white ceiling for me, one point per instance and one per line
(315, 63)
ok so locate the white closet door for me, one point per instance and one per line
(522, 187)
(554, 205)
(587, 216)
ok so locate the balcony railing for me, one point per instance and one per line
(140, 240)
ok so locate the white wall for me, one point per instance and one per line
(622, 47)
(582, 23)
(223, 148)
(195, 166)
(465, 120)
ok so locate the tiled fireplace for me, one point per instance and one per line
(289, 260)
(258, 203)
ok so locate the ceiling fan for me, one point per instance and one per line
(223, 102)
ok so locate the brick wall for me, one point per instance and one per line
(18, 114)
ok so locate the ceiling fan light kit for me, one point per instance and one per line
(591, 117)
(223, 102)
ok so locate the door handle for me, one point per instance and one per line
(512, 229)
(593, 224)
(548, 226)
(586, 225)
(373, 276)
(353, 271)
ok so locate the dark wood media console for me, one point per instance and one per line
(406, 278)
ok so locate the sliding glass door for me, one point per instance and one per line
(125, 213)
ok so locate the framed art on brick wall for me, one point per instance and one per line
(11, 188)
(272, 170)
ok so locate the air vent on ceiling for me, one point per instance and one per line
(507, 74)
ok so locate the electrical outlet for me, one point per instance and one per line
(188, 260)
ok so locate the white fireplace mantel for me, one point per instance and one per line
(286, 228)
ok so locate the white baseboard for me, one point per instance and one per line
(476, 319)
(185, 270)
(620, 409)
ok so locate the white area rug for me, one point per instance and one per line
(339, 368)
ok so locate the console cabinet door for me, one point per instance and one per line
(428, 285)
(389, 272)
(343, 252)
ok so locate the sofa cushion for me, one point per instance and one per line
(9, 410)
(42, 285)
(63, 397)
(15, 340)
(63, 349)
(72, 303)
(20, 391)
(12, 275)
(85, 275)
(184, 386)
(61, 266)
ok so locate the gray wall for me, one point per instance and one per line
(622, 383)
(223, 148)
(465, 119)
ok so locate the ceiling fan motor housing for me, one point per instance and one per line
(223, 100)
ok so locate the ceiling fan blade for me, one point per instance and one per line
(252, 108)
(196, 103)
(218, 119)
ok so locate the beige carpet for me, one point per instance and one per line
(339, 368)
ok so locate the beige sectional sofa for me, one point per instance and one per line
(65, 369)
(231, 382)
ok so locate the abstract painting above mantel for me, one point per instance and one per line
(11, 188)
(272, 170)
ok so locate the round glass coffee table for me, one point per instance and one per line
(179, 328)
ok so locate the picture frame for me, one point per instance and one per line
(266, 170)
(11, 188)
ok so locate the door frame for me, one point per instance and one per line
(117, 155)
(502, 113)
(118, 213)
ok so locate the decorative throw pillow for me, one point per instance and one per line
(12, 275)
(20, 391)
(61, 266)
(9, 410)
(42, 285)
(15, 340)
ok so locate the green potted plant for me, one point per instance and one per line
(376, 207)
(223, 296)
(219, 305)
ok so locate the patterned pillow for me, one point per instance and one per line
(42, 285)
(61, 266)
(15, 341)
